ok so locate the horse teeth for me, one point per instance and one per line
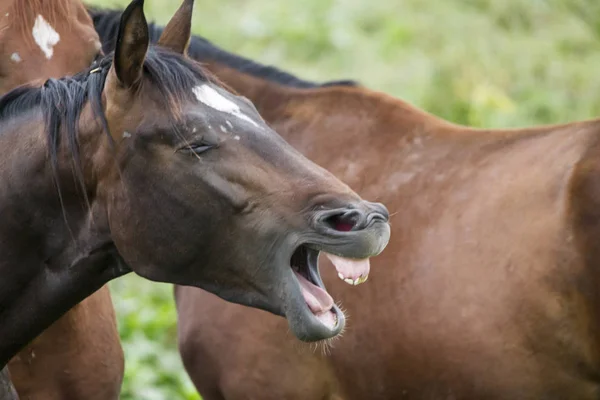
(353, 282)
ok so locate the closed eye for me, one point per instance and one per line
(198, 148)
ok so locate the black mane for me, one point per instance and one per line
(106, 23)
(61, 100)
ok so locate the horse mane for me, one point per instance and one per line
(107, 25)
(23, 13)
(61, 101)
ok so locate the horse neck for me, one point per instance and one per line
(49, 242)
(291, 111)
(47, 191)
(268, 98)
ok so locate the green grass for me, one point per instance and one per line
(485, 63)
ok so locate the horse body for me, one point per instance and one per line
(488, 291)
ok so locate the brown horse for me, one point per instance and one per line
(41, 40)
(489, 289)
(143, 163)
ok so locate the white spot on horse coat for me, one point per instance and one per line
(209, 96)
(45, 36)
(398, 179)
(15, 57)
(126, 134)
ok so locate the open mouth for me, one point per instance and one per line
(347, 237)
(306, 268)
(304, 263)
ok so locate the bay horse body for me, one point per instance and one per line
(38, 41)
(488, 289)
(143, 163)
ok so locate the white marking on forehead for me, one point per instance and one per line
(45, 36)
(126, 134)
(7, 14)
(15, 57)
(223, 129)
(209, 96)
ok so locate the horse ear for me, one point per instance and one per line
(177, 33)
(132, 44)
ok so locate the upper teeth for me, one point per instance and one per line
(354, 282)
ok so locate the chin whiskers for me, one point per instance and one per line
(325, 346)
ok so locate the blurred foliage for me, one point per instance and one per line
(147, 325)
(485, 63)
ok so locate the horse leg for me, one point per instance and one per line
(7, 390)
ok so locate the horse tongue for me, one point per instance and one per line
(317, 299)
(353, 272)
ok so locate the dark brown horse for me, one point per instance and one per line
(489, 289)
(41, 40)
(143, 163)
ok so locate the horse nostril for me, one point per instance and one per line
(353, 218)
(376, 216)
(344, 221)
(377, 212)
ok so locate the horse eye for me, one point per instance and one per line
(198, 148)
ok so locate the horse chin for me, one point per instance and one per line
(310, 327)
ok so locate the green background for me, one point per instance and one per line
(488, 63)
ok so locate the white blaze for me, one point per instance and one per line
(209, 96)
(15, 57)
(45, 36)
